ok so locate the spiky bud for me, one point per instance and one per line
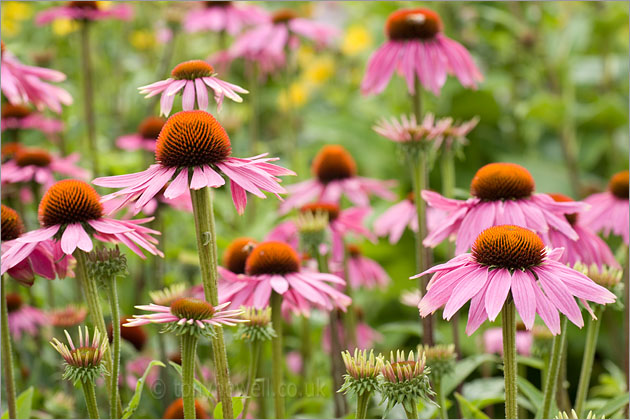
(105, 264)
(258, 327)
(440, 358)
(406, 380)
(84, 362)
(362, 371)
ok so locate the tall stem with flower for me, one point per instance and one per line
(510, 369)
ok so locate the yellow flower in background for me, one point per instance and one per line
(142, 39)
(305, 55)
(13, 12)
(296, 96)
(356, 40)
(62, 27)
(104, 5)
(320, 70)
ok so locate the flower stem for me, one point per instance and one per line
(441, 398)
(509, 359)
(114, 394)
(189, 352)
(350, 316)
(253, 368)
(208, 260)
(554, 368)
(88, 95)
(413, 414)
(276, 354)
(363, 401)
(305, 352)
(90, 399)
(7, 355)
(592, 333)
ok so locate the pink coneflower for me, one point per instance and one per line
(181, 203)
(588, 249)
(275, 266)
(417, 48)
(340, 222)
(85, 10)
(22, 84)
(493, 340)
(45, 259)
(609, 210)
(145, 138)
(503, 193)
(335, 174)
(268, 42)
(69, 316)
(194, 77)
(71, 214)
(39, 166)
(223, 16)
(235, 255)
(20, 117)
(512, 259)
(23, 318)
(193, 143)
(441, 132)
(365, 272)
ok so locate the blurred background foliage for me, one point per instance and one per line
(554, 99)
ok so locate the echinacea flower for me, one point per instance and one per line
(418, 50)
(45, 259)
(9, 149)
(335, 176)
(406, 381)
(510, 260)
(71, 214)
(187, 316)
(503, 193)
(22, 84)
(193, 144)
(83, 362)
(588, 249)
(69, 316)
(609, 212)
(223, 16)
(194, 77)
(22, 317)
(176, 410)
(275, 266)
(236, 253)
(363, 271)
(440, 358)
(608, 277)
(362, 371)
(39, 166)
(85, 11)
(493, 340)
(145, 137)
(20, 117)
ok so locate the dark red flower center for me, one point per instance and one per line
(332, 163)
(70, 201)
(331, 209)
(619, 185)
(136, 336)
(191, 70)
(236, 254)
(12, 226)
(93, 5)
(176, 410)
(192, 138)
(283, 16)
(15, 111)
(502, 181)
(9, 150)
(272, 258)
(33, 156)
(150, 127)
(561, 198)
(508, 246)
(210, 4)
(14, 302)
(354, 251)
(408, 24)
(191, 308)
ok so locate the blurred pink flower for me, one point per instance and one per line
(418, 50)
(134, 369)
(493, 341)
(144, 138)
(85, 10)
(39, 166)
(20, 117)
(294, 362)
(219, 16)
(23, 318)
(366, 336)
(609, 210)
(395, 219)
(363, 271)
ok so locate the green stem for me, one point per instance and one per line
(253, 368)
(208, 260)
(189, 353)
(363, 401)
(441, 398)
(276, 354)
(510, 371)
(114, 393)
(592, 332)
(350, 316)
(554, 369)
(88, 95)
(7, 354)
(413, 414)
(305, 352)
(90, 399)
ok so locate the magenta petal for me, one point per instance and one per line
(499, 284)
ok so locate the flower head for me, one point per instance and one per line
(440, 358)
(194, 77)
(84, 11)
(258, 326)
(406, 380)
(219, 16)
(69, 316)
(236, 254)
(362, 370)
(363, 271)
(187, 316)
(194, 143)
(106, 264)
(609, 212)
(144, 138)
(418, 49)
(510, 260)
(168, 295)
(22, 317)
(21, 117)
(84, 362)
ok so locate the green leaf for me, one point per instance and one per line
(533, 362)
(237, 405)
(24, 404)
(199, 387)
(469, 410)
(135, 399)
(613, 405)
(463, 368)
